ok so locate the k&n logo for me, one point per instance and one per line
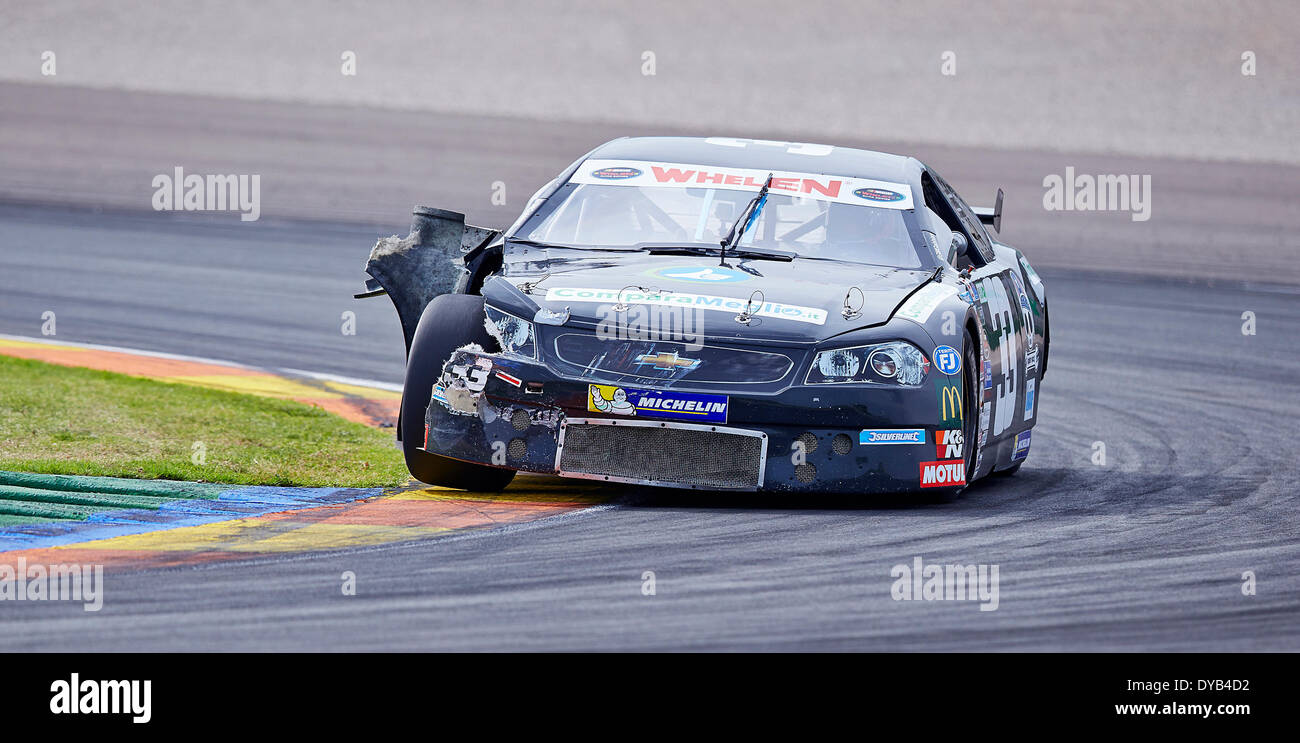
(948, 444)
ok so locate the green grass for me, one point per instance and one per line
(67, 420)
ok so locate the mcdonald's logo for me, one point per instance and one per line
(950, 404)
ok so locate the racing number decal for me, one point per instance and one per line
(475, 375)
(1008, 343)
(1026, 314)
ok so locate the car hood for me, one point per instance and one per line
(800, 301)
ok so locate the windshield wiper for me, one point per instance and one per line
(533, 243)
(540, 244)
(757, 253)
(747, 216)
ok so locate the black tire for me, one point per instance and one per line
(447, 323)
(970, 407)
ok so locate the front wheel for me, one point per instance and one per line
(447, 323)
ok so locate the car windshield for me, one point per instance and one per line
(623, 216)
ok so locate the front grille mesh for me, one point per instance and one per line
(809, 441)
(706, 459)
(841, 444)
(518, 449)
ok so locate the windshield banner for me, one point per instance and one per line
(813, 315)
(839, 189)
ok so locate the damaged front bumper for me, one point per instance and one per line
(514, 412)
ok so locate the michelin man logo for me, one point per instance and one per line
(616, 402)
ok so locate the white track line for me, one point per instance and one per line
(371, 383)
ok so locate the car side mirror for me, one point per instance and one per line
(959, 244)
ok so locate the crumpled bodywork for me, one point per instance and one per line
(437, 257)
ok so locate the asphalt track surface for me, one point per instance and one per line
(1144, 552)
(1157, 77)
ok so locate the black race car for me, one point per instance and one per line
(721, 314)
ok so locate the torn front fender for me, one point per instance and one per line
(431, 260)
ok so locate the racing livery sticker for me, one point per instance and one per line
(948, 444)
(892, 436)
(922, 303)
(685, 406)
(835, 188)
(967, 292)
(472, 375)
(1022, 446)
(462, 383)
(616, 173)
(702, 274)
(508, 379)
(947, 360)
(1020, 291)
(984, 424)
(811, 315)
(1004, 342)
(943, 474)
(1026, 322)
(878, 194)
(1029, 399)
(950, 404)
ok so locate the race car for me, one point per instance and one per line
(720, 314)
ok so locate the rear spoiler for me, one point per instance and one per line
(991, 216)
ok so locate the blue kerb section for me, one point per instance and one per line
(233, 504)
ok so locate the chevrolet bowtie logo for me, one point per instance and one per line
(667, 361)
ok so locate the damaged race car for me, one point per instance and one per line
(720, 314)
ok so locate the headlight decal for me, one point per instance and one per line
(896, 363)
(515, 334)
